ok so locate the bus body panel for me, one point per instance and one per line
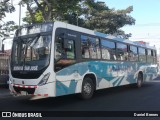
(109, 74)
(69, 80)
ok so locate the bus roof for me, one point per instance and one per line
(83, 30)
(99, 34)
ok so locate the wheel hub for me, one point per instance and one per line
(87, 88)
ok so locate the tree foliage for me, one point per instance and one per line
(6, 27)
(85, 13)
(49, 10)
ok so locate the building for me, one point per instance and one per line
(4, 67)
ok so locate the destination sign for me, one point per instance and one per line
(26, 68)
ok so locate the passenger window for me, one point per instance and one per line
(150, 56)
(64, 49)
(70, 50)
(133, 53)
(142, 55)
(108, 50)
(154, 56)
(64, 53)
(90, 47)
(122, 53)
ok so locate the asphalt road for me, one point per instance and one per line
(126, 98)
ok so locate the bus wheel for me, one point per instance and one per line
(87, 88)
(139, 80)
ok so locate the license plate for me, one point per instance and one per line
(24, 93)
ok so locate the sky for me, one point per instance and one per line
(13, 17)
(146, 13)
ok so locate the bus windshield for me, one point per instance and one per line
(31, 53)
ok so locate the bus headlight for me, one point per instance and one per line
(44, 79)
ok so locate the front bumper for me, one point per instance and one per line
(21, 90)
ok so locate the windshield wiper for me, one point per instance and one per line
(34, 39)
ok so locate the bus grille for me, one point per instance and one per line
(28, 90)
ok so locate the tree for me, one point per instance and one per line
(103, 19)
(6, 27)
(43, 8)
(49, 10)
(85, 13)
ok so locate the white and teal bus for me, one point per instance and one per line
(55, 59)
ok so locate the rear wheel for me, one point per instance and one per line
(139, 80)
(87, 88)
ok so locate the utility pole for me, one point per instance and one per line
(77, 18)
(19, 14)
(2, 45)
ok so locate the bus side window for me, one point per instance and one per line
(150, 56)
(70, 50)
(154, 56)
(122, 51)
(142, 54)
(133, 53)
(90, 47)
(108, 50)
(84, 47)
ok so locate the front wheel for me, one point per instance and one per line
(87, 88)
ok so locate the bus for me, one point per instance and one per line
(56, 59)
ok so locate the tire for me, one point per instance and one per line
(87, 89)
(139, 80)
